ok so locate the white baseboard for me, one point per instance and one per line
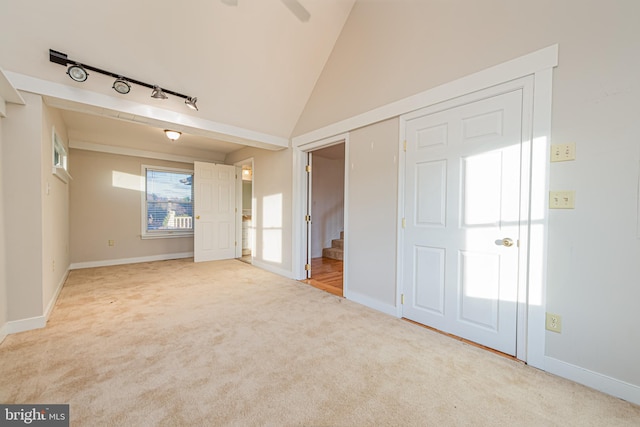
(122, 261)
(371, 303)
(52, 302)
(272, 269)
(23, 325)
(603, 383)
(3, 332)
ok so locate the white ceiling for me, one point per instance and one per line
(252, 66)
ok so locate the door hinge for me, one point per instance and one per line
(307, 267)
(307, 168)
(518, 242)
(405, 145)
(235, 243)
(404, 222)
(401, 298)
(307, 218)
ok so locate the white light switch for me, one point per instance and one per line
(562, 199)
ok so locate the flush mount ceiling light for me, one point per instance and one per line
(157, 93)
(77, 73)
(191, 103)
(122, 85)
(172, 134)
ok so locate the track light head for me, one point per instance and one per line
(172, 134)
(121, 86)
(191, 102)
(157, 93)
(77, 73)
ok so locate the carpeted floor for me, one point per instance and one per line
(224, 343)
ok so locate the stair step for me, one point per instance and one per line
(337, 243)
(342, 234)
(333, 253)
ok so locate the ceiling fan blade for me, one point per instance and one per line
(230, 2)
(297, 9)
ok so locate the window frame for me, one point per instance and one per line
(59, 158)
(161, 234)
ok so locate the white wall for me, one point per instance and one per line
(327, 205)
(390, 50)
(272, 190)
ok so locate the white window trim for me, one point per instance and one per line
(163, 234)
(59, 170)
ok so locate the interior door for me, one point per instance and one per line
(462, 195)
(215, 211)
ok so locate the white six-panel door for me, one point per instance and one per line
(215, 211)
(462, 195)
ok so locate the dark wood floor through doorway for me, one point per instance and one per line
(327, 274)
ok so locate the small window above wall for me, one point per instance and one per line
(60, 158)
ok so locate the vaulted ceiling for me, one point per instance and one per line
(251, 66)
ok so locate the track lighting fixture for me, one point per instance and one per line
(157, 93)
(122, 85)
(191, 103)
(172, 134)
(77, 73)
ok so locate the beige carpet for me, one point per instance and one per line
(223, 343)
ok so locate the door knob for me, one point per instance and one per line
(507, 242)
(198, 217)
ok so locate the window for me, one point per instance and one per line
(167, 202)
(59, 158)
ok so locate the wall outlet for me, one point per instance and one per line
(554, 322)
(562, 199)
(112, 242)
(563, 152)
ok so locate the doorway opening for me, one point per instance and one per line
(325, 218)
(247, 211)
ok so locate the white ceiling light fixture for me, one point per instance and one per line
(77, 73)
(158, 93)
(172, 134)
(121, 86)
(191, 103)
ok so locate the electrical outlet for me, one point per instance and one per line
(562, 199)
(563, 152)
(112, 242)
(554, 323)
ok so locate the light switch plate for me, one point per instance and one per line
(563, 152)
(562, 199)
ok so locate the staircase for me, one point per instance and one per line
(336, 251)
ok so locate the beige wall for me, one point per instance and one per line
(102, 209)
(55, 210)
(3, 277)
(390, 50)
(372, 206)
(272, 189)
(22, 171)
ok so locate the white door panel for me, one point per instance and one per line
(462, 195)
(215, 211)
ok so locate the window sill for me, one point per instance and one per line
(167, 235)
(62, 174)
